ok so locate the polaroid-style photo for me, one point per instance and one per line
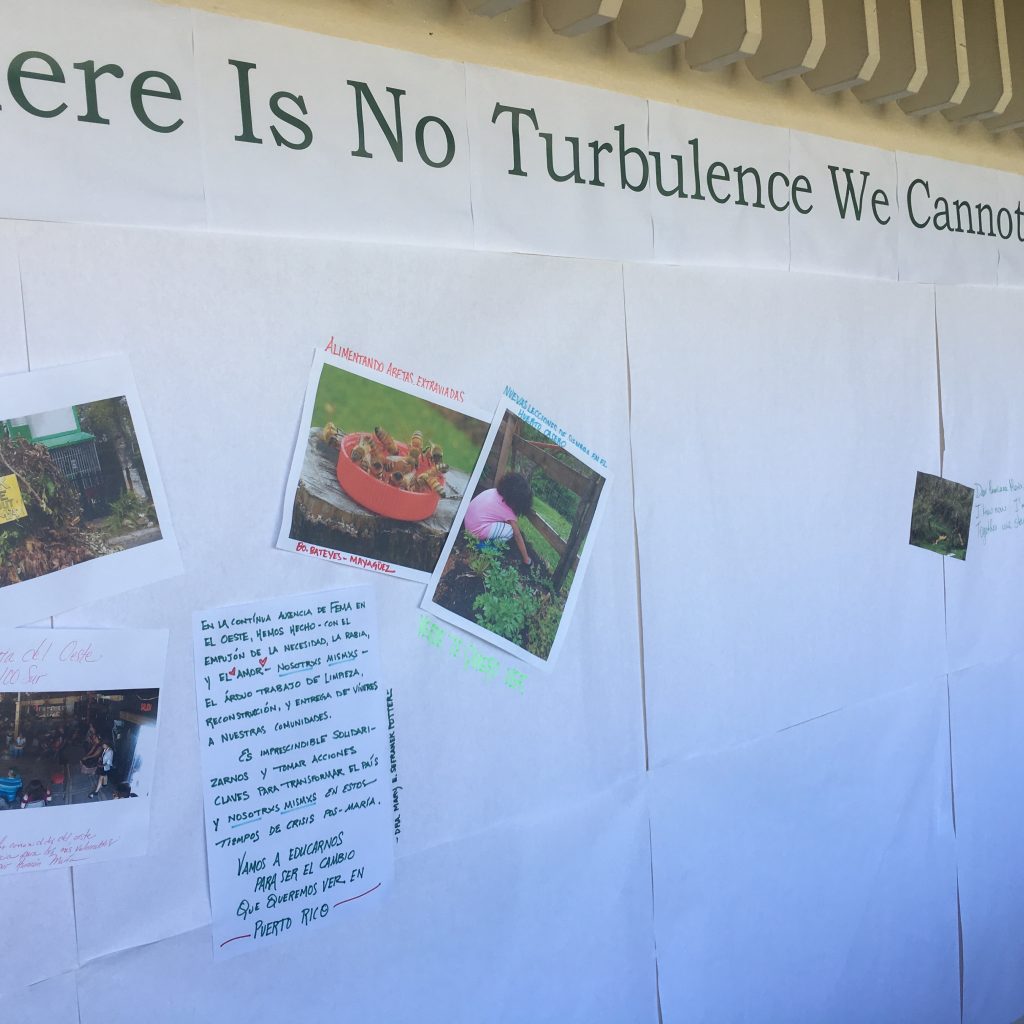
(514, 563)
(941, 517)
(82, 509)
(378, 472)
(78, 744)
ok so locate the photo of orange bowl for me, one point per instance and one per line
(379, 496)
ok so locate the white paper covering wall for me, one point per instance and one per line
(13, 349)
(55, 999)
(305, 180)
(861, 209)
(937, 247)
(606, 221)
(234, 322)
(40, 915)
(778, 424)
(324, 190)
(987, 714)
(543, 918)
(811, 875)
(122, 172)
(982, 361)
(700, 230)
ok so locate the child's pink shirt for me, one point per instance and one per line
(486, 509)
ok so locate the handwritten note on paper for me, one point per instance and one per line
(998, 506)
(78, 728)
(294, 730)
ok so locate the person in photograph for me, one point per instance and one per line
(493, 515)
(122, 791)
(10, 787)
(35, 795)
(91, 759)
(58, 746)
(106, 764)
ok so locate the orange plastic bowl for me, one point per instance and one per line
(378, 496)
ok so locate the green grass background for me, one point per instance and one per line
(353, 403)
(555, 520)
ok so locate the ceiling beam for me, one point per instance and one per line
(647, 26)
(491, 8)
(793, 39)
(1013, 115)
(988, 59)
(945, 43)
(574, 17)
(729, 30)
(902, 62)
(852, 53)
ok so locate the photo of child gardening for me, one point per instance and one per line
(493, 515)
(378, 472)
(516, 556)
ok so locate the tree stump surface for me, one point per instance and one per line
(323, 514)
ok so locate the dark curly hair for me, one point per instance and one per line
(516, 492)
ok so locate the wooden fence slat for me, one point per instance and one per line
(578, 534)
(558, 471)
(545, 529)
(511, 429)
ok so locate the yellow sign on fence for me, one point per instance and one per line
(11, 504)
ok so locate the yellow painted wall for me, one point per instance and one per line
(522, 41)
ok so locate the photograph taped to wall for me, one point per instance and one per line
(82, 509)
(378, 472)
(514, 563)
(941, 516)
(78, 723)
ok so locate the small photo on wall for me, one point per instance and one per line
(378, 472)
(514, 564)
(62, 748)
(82, 509)
(79, 712)
(941, 516)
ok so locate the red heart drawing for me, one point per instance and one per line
(263, 662)
(233, 671)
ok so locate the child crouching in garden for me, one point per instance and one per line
(493, 514)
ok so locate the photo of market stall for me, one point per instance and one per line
(63, 748)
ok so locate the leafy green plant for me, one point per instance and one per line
(483, 558)
(8, 540)
(129, 509)
(49, 536)
(543, 625)
(506, 605)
